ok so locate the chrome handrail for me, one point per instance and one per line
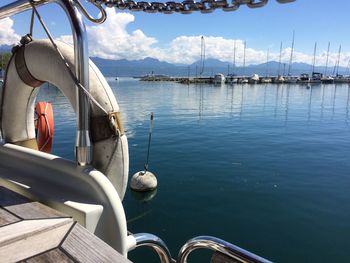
(218, 245)
(83, 145)
(157, 244)
(19, 6)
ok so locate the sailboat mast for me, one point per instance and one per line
(234, 57)
(348, 67)
(267, 62)
(245, 46)
(325, 71)
(314, 59)
(202, 56)
(291, 55)
(2, 66)
(336, 66)
(280, 60)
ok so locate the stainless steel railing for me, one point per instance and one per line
(81, 58)
(216, 244)
(233, 252)
(158, 245)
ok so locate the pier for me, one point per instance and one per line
(304, 79)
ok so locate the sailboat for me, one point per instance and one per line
(202, 56)
(244, 80)
(315, 76)
(338, 78)
(266, 79)
(279, 79)
(289, 78)
(231, 78)
(327, 79)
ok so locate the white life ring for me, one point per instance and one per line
(42, 62)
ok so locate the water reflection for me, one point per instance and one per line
(201, 134)
(334, 98)
(273, 101)
(347, 105)
(309, 106)
(322, 102)
(270, 100)
(278, 87)
(143, 197)
(242, 98)
(287, 104)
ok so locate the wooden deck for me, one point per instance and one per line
(33, 232)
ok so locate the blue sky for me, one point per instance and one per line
(262, 28)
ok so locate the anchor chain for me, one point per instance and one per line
(184, 7)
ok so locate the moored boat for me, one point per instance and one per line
(219, 79)
(327, 80)
(243, 80)
(316, 78)
(341, 79)
(279, 79)
(266, 80)
(231, 79)
(304, 78)
(290, 79)
(254, 79)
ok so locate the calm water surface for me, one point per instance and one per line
(265, 167)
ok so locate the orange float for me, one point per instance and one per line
(44, 126)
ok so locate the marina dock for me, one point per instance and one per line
(244, 79)
(33, 232)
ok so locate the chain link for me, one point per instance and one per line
(185, 7)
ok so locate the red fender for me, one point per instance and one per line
(45, 126)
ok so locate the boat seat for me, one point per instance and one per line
(79, 191)
(85, 214)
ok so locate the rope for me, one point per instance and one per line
(47, 125)
(72, 75)
(149, 143)
(31, 23)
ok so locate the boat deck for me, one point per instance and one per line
(33, 232)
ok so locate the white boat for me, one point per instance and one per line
(254, 79)
(290, 79)
(265, 80)
(304, 79)
(231, 79)
(279, 79)
(243, 80)
(327, 80)
(219, 79)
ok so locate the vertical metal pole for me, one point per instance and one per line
(83, 147)
(1, 65)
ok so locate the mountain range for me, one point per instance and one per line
(128, 68)
(5, 48)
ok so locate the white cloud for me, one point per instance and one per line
(112, 40)
(7, 33)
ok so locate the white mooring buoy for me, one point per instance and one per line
(145, 181)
